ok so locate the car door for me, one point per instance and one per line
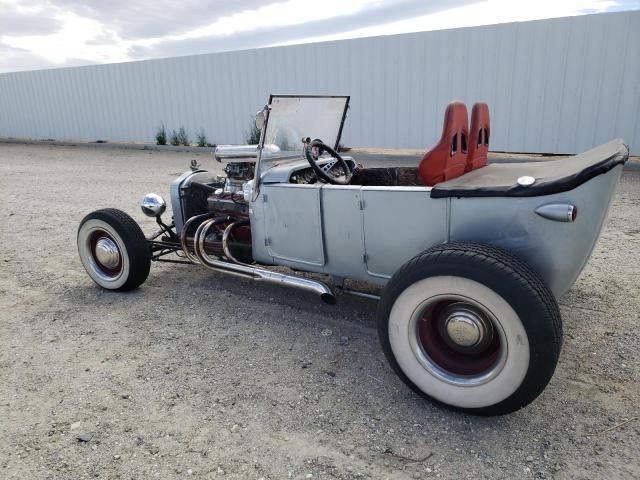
(293, 223)
(399, 223)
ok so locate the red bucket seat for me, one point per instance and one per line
(448, 159)
(478, 137)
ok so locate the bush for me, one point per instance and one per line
(183, 138)
(253, 134)
(174, 140)
(202, 138)
(161, 135)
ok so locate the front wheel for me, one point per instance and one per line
(471, 326)
(113, 250)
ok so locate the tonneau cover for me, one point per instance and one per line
(501, 179)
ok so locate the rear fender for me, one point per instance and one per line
(558, 250)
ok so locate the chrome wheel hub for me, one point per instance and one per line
(106, 252)
(463, 331)
(458, 340)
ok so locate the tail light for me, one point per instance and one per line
(558, 212)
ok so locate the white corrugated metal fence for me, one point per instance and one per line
(558, 85)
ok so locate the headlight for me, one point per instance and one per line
(153, 205)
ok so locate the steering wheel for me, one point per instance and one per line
(313, 150)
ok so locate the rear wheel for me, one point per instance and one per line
(113, 250)
(471, 326)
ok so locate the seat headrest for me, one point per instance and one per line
(448, 158)
(456, 119)
(480, 124)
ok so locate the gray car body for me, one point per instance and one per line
(368, 232)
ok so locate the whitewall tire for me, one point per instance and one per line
(472, 327)
(113, 250)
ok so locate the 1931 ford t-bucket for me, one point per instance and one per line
(472, 256)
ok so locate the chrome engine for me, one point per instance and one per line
(202, 196)
(237, 174)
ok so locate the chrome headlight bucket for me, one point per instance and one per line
(153, 205)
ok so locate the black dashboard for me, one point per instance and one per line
(308, 176)
(299, 171)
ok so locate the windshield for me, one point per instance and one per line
(293, 118)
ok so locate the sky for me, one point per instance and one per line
(60, 33)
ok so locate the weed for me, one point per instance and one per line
(252, 135)
(202, 138)
(173, 139)
(183, 138)
(161, 135)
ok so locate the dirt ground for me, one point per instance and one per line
(199, 375)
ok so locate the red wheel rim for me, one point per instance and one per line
(458, 338)
(105, 253)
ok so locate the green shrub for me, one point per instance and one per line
(183, 137)
(161, 135)
(173, 139)
(252, 135)
(202, 138)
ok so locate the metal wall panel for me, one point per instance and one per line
(559, 85)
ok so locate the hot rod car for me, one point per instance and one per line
(471, 256)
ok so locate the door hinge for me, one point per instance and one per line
(362, 204)
(264, 197)
(365, 257)
(267, 242)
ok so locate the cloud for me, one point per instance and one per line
(36, 34)
(141, 19)
(121, 30)
(19, 23)
(265, 34)
(485, 12)
(18, 59)
(72, 41)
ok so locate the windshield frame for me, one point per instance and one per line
(342, 119)
(265, 126)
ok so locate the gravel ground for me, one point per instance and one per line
(199, 375)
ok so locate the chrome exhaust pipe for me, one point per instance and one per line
(255, 273)
(183, 236)
(319, 288)
(225, 240)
